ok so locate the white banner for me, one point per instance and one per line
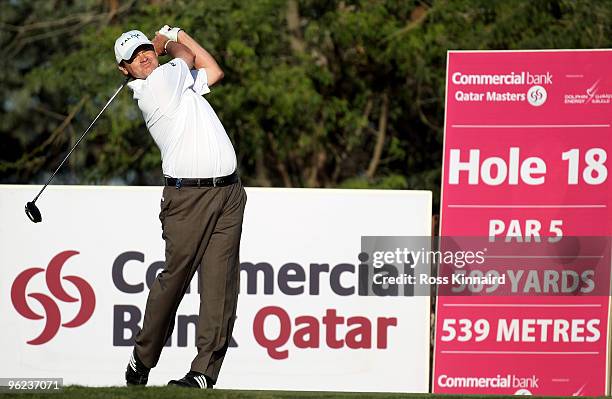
(74, 289)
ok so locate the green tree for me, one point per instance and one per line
(317, 93)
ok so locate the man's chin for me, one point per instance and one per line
(146, 72)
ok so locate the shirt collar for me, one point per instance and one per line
(136, 84)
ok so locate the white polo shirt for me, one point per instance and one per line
(190, 136)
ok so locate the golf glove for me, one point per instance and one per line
(170, 33)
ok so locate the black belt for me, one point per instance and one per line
(204, 182)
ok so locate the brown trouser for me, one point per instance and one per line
(201, 227)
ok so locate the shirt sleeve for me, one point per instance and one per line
(200, 79)
(168, 82)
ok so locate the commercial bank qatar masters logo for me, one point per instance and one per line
(52, 316)
(502, 87)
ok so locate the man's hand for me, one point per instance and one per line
(170, 33)
(159, 42)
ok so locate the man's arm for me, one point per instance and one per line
(176, 50)
(203, 59)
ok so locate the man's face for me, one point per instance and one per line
(142, 63)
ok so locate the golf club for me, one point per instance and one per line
(31, 209)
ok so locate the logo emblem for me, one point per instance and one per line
(591, 91)
(536, 96)
(132, 36)
(52, 314)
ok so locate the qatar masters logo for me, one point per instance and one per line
(536, 95)
(52, 315)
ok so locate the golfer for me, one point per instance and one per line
(202, 204)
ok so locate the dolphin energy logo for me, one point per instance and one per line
(52, 314)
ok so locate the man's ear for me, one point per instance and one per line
(123, 70)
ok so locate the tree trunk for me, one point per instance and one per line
(280, 166)
(380, 136)
(293, 24)
(318, 161)
(261, 173)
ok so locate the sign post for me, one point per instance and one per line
(527, 141)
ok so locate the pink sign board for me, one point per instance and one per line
(527, 140)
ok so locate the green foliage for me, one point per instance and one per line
(304, 92)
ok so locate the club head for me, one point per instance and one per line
(33, 213)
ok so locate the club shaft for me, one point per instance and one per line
(80, 139)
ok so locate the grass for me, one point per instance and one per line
(182, 393)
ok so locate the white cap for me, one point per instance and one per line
(127, 43)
